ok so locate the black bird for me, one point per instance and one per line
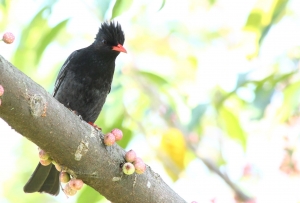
(82, 85)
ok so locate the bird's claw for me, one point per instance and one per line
(95, 126)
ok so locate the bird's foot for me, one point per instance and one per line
(95, 126)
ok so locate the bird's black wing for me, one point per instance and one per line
(63, 71)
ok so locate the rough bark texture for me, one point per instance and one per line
(74, 144)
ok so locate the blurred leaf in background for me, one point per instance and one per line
(4, 8)
(172, 152)
(120, 7)
(35, 38)
(262, 17)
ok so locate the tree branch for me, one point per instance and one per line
(74, 144)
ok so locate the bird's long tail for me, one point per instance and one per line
(43, 179)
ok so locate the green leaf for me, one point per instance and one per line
(3, 3)
(120, 7)
(277, 14)
(4, 10)
(254, 20)
(291, 101)
(47, 39)
(89, 195)
(263, 94)
(152, 77)
(265, 89)
(39, 19)
(162, 5)
(283, 77)
(231, 124)
(197, 114)
(212, 2)
(262, 17)
(31, 35)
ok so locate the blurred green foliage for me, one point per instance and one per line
(152, 101)
(263, 17)
(35, 38)
(120, 7)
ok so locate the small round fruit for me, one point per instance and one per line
(109, 139)
(69, 191)
(117, 133)
(138, 159)
(140, 167)
(45, 162)
(64, 177)
(8, 38)
(76, 184)
(43, 155)
(130, 156)
(128, 168)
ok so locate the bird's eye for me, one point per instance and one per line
(104, 41)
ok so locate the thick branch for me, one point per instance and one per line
(74, 144)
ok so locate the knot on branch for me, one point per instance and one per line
(38, 105)
(82, 149)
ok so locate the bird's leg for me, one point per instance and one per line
(94, 125)
(91, 123)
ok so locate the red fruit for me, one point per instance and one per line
(117, 133)
(138, 159)
(69, 191)
(109, 139)
(64, 177)
(128, 168)
(8, 38)
(76, 184)
(140, 167)
(1, 90)
(130, 156)
(45, 162)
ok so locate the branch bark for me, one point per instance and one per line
(74, 144)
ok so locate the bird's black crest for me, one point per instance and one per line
(111, 32)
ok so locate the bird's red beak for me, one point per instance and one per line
(119, 48)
